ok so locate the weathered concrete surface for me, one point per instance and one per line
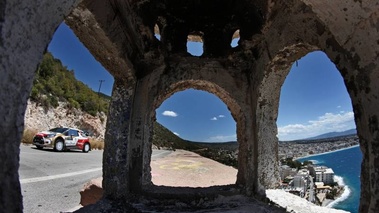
(116, 157)
(26, 27)
(248, 78)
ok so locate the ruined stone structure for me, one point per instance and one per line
(248, 78)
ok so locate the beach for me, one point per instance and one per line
(327, 152)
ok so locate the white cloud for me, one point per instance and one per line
(338, 106)
(216, 118)
(175, 133)
(222, 138)
(328, 122)
(170, 113)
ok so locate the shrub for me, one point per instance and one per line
(28, 135)
(96, 144)
(53, 101)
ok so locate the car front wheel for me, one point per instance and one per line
(86, 147)
(59, 145)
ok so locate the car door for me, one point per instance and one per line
(72, 137)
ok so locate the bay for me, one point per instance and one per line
(346, 163)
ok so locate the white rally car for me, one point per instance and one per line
(62, 138)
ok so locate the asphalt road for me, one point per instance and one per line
(51, 181)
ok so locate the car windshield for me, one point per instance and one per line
(58, 129)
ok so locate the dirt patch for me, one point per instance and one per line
(184, 168)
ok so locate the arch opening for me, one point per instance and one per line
(208, 89)
(65, 94)
(235, 39)
(157, 32)
(316, 116)
(201, 124)
(195, 45)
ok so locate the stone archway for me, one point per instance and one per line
(202, 85)
(120, 35)
(268, 105)
(153, 90)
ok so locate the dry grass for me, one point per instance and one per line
(97, 144)
(27, 136)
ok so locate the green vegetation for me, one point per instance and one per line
(54, 82)
(164, 138)
(332, 194)
(223, 156)
(295, 163)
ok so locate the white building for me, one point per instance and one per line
(300, 181)
(322, 174)
(328, 176)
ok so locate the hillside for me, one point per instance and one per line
(164, 138)
(54, 83)
(225, 153)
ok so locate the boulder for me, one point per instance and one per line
(91, 192)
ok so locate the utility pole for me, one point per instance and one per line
(101, 81)
(98, 93)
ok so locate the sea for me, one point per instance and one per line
(346, 164)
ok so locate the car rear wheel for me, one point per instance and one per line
(86, 147)
(59, 145)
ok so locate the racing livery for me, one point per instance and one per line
(62, 138)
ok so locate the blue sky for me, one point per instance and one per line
(313, 99)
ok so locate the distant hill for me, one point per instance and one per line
(334, 134)
(225, 153)
(164, 138)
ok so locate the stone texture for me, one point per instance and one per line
(248, 78)
(26, 27)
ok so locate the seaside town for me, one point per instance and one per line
(303, 148)
(317, 184)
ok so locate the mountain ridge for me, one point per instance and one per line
(333, 134)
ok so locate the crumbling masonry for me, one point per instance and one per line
(120, 34)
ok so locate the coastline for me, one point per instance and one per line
(343, 196)
(324, 153)
(346, 193)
